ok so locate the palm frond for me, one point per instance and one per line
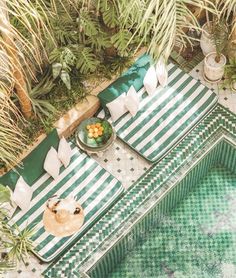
(162, 22)
(11, 137)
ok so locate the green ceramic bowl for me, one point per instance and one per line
(82, 133)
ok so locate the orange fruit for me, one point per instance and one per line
(90, 135)
(98, 124)
(101, 128)
(92, 126)
(95, 135)
(95, 129)
(90, 130)
(99, 133)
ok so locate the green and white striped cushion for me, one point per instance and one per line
(166, 116)
(95, 188)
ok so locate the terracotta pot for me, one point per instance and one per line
(213, 70)
(206, 43)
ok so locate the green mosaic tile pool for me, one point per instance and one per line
(196, 239)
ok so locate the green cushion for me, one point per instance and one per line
(133, 76)
(32, 166)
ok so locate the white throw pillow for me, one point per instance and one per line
(150, 80)
(117, 107)
(64, 152)
(162, 73)
(22, 194)
(52, 163)
(132, 101)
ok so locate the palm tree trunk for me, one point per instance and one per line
(20, 83)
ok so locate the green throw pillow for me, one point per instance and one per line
(133, 76)
(32, 166)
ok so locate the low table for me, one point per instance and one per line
(98, 150)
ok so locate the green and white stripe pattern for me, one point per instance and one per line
(95, 189)
(121, 217)
(166, 116)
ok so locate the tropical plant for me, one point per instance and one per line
(230, 72)
(11, 137)
(41, 106)
(227, 12)
(86, 36)
(161, 24)
(23, 27)
(219, 35)
(15, 244)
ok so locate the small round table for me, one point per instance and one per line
(98, 150)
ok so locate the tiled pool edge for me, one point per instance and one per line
(219, 121)
(158, 210)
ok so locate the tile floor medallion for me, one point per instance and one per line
(127, 166)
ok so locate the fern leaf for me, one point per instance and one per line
(87, 61)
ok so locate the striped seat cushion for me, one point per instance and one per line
(166, 116)
(95, 188)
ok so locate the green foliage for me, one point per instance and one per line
(219, 35)
(230, 72)
(41, 106)
(12, 139)
(62, 100)
(87, 62)
(161, 22)
(83, 34)
(116, 65)
(14, 243)
(110, 13)
(99, 42)
(4, 194)
(120, 40)
(17, 242)
(88, 24)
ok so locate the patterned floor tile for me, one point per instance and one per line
(123, 163)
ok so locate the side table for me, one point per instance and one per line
(97, 151)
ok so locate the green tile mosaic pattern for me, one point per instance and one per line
(120, 217)
(197, 239)
(179, 191)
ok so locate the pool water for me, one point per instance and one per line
(196, 239)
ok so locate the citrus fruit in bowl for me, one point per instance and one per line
(94, 132)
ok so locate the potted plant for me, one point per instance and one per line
(230, 74)
(215, 61)
(206, 43)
